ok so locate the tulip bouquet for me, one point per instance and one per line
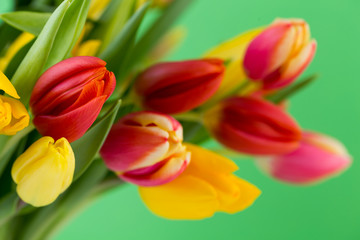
(88, 104)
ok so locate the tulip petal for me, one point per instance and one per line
(269, 50)
(160, 173)
(19, 118)
(131, 147)
(186, 197)
(77, 121)
(7, 87)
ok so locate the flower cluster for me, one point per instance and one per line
(236, 93)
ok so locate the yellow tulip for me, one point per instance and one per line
(232, 51)
(208, 185)
(13, 114)
(44, 171)
(19, 43)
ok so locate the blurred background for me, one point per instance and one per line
(330, 210)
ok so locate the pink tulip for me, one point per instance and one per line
(279, 54)
(318, 157)
(176, 87)
(254, 126)
(145, 148)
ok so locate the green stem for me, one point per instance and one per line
(190, 116)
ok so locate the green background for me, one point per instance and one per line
(330, 210)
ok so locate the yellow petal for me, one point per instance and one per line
(246, 195)
(186, 197)
(6, 86)
(205, 160)
(88, 48)
(19, 116)
(233, 51)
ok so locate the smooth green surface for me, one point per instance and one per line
(328, 211)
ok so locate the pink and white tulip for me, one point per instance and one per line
(318, 157)
(279, 54)
(145, 148)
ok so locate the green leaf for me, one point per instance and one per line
(69, 31)
(115, 54)
(158, 29)
(32, 22)
(195, 132)
(113, 21)
(31, 67)
(88, 146)
(8, 34)
(8, 207)
(292, 89)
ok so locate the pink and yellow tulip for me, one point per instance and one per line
(280, 53)
(317, 158)
(208, 185)
(68, 97)
(44, 171)
(176, 87)
(253, 126)
(145, 148)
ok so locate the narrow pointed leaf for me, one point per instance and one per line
(32, 22)
(31, 67)
(115, 52)
(88, 146)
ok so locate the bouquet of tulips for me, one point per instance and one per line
(88, 104)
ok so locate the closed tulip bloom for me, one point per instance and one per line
(279, 54)
(44, 171)
(145, 148)
(208, 185)
(175, 87)
(317, 158)
(69, 96)
(253, 126)
(13, 114)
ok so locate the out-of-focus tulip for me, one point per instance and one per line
(19, 43)
(69, 96)
(175, 87)
(317, 158)
(97, 7)
(167, 44)
(208, 185)
(279, 54)
(13, 114)
(232, 52)
(87, 48)
(44, 171)
(145, 148)
(254, 126)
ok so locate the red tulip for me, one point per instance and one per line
(318, 157)
(175, 87)
(145, 148)
(68, 97)
(279, 54)
(254, 126)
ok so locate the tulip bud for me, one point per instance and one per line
(175, 87)
(145, 148)
(317, 158)
(279, 54)
(69, 96)
(44, 171)
(254, 126)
